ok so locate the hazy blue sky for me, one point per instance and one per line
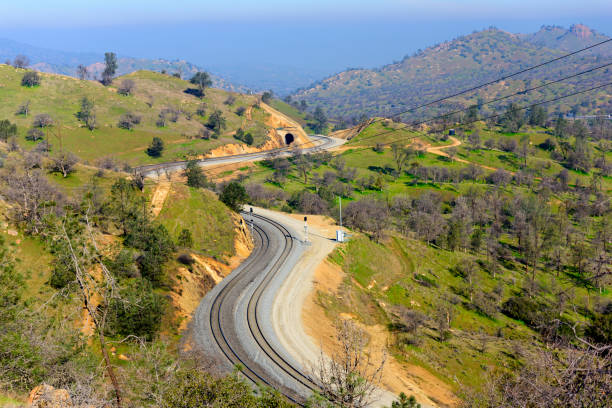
(267, 38)
(96, 12)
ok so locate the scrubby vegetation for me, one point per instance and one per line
(478, 261)
(91, 120)
(86, 278)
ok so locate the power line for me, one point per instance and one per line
(483, 85)
(525, 91)
(485, 103)
(499, 99)
(503, 78)
(520, 108)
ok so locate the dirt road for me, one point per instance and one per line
(294, 299)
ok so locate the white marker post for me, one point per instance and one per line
(305, 229)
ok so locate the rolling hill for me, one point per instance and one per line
(464, 62)
(65, 63)
(60, 97)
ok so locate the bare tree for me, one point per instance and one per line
(369, 215)
(82, 72)
(127, 87)
(349, 378)
(30, 190)
(42, 121)
(23, 109)
(401, 155)
(21, 61)
(85, 257)
(557, 377)
(304, 165)
(64, 163)
(138, 179)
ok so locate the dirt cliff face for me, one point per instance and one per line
(193, 282)
(279, 124)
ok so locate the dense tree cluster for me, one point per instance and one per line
(243, 136)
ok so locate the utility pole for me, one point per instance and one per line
(340, 205)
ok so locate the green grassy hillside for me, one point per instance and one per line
(207, 219)
(477, 264)
(60, 97)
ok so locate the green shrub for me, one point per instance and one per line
(195, 176)
(138, 312)
(185, 239)
(61, 275)
(195, 388)
(234, 196)
(156, 147)
(20, 361)
(600, 329)
(122, 265)
(522, 308)
(155, 244)
(30, 79)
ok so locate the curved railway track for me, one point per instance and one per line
(223, 317)
(150, 169)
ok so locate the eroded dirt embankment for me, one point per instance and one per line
(351, 132)
(397, 377)
(193, 282)
(278, 123)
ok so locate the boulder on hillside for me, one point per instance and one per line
(46, 396)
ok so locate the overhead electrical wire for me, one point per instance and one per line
(503, 78)
(405, 126)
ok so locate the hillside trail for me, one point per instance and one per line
(439, 151)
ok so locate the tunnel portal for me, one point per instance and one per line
(289, 138)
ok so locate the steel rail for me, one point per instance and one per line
(251, 369)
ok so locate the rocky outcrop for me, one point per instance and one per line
(46, 396)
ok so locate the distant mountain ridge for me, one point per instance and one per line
(66, 63)
(459, 64)
(559, 38)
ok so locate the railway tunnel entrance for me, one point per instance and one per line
(289, 138)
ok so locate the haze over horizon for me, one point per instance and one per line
(271, 44)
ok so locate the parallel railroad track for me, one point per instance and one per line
(221, 324)
(181, 164)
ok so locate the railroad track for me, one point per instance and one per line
(151, 169)
(223, 311)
